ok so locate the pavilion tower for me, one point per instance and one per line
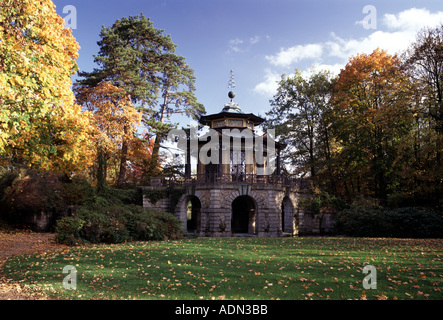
(238, 189)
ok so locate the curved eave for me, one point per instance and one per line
(278, 145)
(206, 120)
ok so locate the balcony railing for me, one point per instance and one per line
(224, 178)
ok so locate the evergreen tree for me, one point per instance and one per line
(140, 59)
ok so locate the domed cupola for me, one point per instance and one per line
(231, 116)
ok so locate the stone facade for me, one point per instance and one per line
(274, 211)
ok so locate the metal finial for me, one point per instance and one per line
(231, 85)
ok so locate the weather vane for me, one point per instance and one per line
(231, 85)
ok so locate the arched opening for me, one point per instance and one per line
(287, 215)
(243, 215)
(283, 217)
(193, 214)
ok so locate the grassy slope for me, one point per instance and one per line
(240, 268)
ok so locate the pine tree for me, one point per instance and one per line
(141, 60)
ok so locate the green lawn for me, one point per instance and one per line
(240, 268)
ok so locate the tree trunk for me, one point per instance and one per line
(101, 170)
(311, 152)
(123, 159)
(152, 170)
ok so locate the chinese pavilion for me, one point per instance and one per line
(238, 188)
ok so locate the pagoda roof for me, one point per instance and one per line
(231, 110)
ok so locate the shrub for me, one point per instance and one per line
(167, 226)
(415, 223)
(68, 230)
(121, 196)
(362, 222)
(77, 191)
(25, 191)
(120, 223)
(103, 227)
(400, 223)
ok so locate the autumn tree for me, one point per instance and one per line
(139, 155)
(140, 59)
(370, 116)
(116, 121)
(40, 125)
(425, 59)
(298, 115)
(423, 148)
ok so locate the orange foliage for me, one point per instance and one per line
(370, 116)
(116, 121)
(139, 155)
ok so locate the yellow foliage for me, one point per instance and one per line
(37, 59)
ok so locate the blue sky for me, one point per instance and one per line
(259, 39)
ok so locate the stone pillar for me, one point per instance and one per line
(188, 158)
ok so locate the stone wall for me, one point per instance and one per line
(273, 207)
(39, 221)
(161, 204)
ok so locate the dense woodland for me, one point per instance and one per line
(375, 131)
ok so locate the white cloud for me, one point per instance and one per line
(402, 29)
(235, 41)
(254, 40)
(238, 45)
(286, 57)
(392, 42)
(234, 45)
(412, 20)
(269, 86)
(399, 32)
(334, 69)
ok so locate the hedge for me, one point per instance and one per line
(409, 222)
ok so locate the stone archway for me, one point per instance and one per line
(193, 214)
(243, 217)
(287, 215)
